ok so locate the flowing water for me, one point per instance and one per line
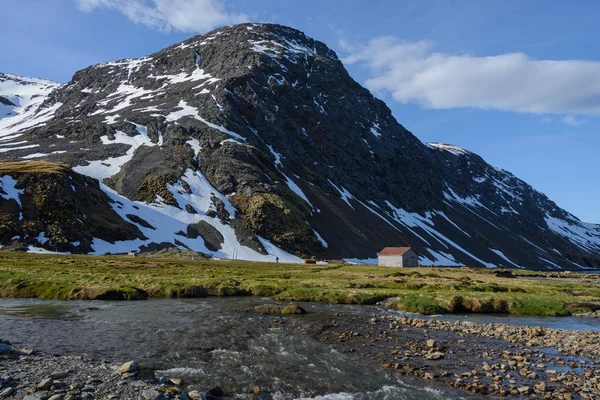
(208, 342)
(569, 323)
(217, 341)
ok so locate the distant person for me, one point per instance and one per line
(276, 259)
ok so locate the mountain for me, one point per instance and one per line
(251, 142)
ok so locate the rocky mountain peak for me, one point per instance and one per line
(253, 141)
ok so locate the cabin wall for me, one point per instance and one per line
(410, 259)
(390, 261)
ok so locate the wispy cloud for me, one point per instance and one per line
(412, 72)
(169, 15)
(573, 120)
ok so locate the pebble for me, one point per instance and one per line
(435, 356)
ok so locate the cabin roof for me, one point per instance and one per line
(394, 251)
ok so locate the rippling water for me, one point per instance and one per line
(569, 323)
(214, 341)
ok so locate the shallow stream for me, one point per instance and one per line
(219, 341)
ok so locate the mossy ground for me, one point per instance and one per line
(424, 290)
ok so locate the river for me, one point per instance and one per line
(219, 341)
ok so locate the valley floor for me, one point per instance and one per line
(420, 290)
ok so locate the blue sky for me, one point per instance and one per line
(517, 82)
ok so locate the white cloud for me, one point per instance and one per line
(573, 120)
(413, 73)
(169, 15)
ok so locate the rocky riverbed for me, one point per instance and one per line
(486, 359)
(30, 375)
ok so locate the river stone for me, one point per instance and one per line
(196, 395)
(8, 392)
(45, 384)
(58, 396)
(523, 389)
(182, 396)
(152, 394)
(146, 375)
(31, 397)
(130, 366)
(59, 375)
(5, 349)
(431, 343)
(435, 356)
(176, 381)
(216, 392)
(540, 387)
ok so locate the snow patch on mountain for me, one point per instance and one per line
(189, 111)
(173, 220)
(344, 194)
(289, 182)
(323, 242)
(8, 190)
(415, 220)
(582, 234)
(501, 255)
(197, 74)
(102, 169)
(123, 97)
(439, 258)
(457, 151)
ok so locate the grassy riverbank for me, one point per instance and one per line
(425, 290)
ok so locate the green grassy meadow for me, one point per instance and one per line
(423, 290)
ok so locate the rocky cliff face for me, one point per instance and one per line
(253, 141)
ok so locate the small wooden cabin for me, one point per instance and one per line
(398, 257)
